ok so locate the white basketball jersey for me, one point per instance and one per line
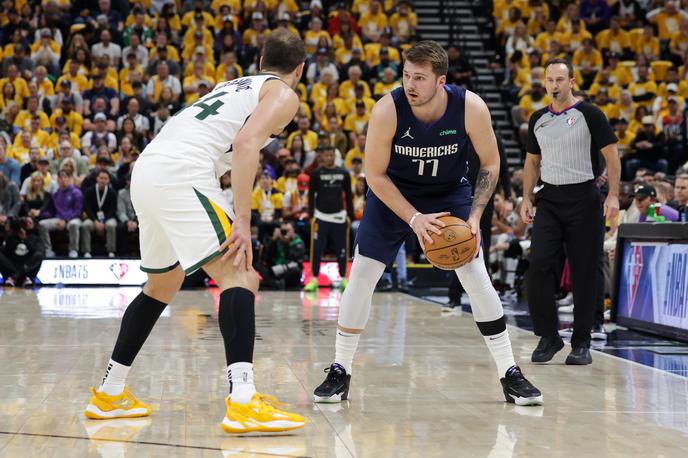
(203, 132)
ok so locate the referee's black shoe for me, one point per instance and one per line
(518, 390)
(579, 356)
(547, 348)
(335, 388)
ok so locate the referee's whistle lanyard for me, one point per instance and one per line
(101, 201)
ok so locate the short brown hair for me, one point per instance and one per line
(430, 52)
(283, 52)
(562, 62)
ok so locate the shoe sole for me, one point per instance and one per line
(545, 360)
(235, 427)
(519, 401)
(94, 413)
(578, 362)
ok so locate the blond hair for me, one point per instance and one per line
(34, 194)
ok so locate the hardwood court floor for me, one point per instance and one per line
(423, 385)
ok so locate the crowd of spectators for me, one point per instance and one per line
(85, 86)
(630, 59)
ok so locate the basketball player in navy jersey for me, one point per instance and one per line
(416, 166)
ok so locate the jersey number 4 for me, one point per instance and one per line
(421, 165)
(207, 110)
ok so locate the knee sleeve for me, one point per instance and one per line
(354, 309)
(475, 280)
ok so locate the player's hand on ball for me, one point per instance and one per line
(239, 244)
(475, 230)
(423, 224)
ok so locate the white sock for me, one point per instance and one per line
(345, 347)
(241, 387)
(115, 378)
(500, 348)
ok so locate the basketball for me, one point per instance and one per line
(454, 247)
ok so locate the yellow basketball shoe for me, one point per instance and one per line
(260, 415)
(125, 405)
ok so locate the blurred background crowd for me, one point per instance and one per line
(85, 85)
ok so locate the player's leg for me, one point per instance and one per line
(489, 316)
(247, 410)
(339, 234)
(354, 311)
(113, 399)
(378, 239)
(319, 233)
(165, 276)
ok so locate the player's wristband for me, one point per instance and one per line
(413, 218)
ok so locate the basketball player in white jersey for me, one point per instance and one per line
(186, 225)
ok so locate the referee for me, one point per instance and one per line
(564, 141)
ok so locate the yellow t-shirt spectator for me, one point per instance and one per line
(54, 137)
(592, 60)
(530, 106)
(614, 42)
(75, 121)
(79, 82)
(372, 51)
(637, 89)
(402, 26)
(172, 54)
(208, 70)
(574, 41)
(41, 137)
(649, 48)
(191, 97)
(266, 202)
(310, 139)
(666, 24)
(46, 87)
(338, 42)
(373, 24)
(382, 88)
(347, 89)
(188, 18)
(311, 39)
(20, 86)
(23, 120)
(355, 123)
(351, 154)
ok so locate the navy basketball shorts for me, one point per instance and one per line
(382, 232)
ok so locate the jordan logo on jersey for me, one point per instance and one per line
(407, 134)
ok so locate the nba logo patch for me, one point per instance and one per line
(119, 270)
(571, 121)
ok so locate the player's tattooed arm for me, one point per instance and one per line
(484, 188)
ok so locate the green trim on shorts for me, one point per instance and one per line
(201, 263)
(159, 271)
(214, 219)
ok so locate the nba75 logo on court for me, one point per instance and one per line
(119, 269)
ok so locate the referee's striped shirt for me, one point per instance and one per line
(569, 142)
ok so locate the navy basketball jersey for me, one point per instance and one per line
(430, 159)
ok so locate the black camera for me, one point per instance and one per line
(284, 232)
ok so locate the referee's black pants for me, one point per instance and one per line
(567, 216)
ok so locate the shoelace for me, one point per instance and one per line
(271, 401)
(333, 375)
